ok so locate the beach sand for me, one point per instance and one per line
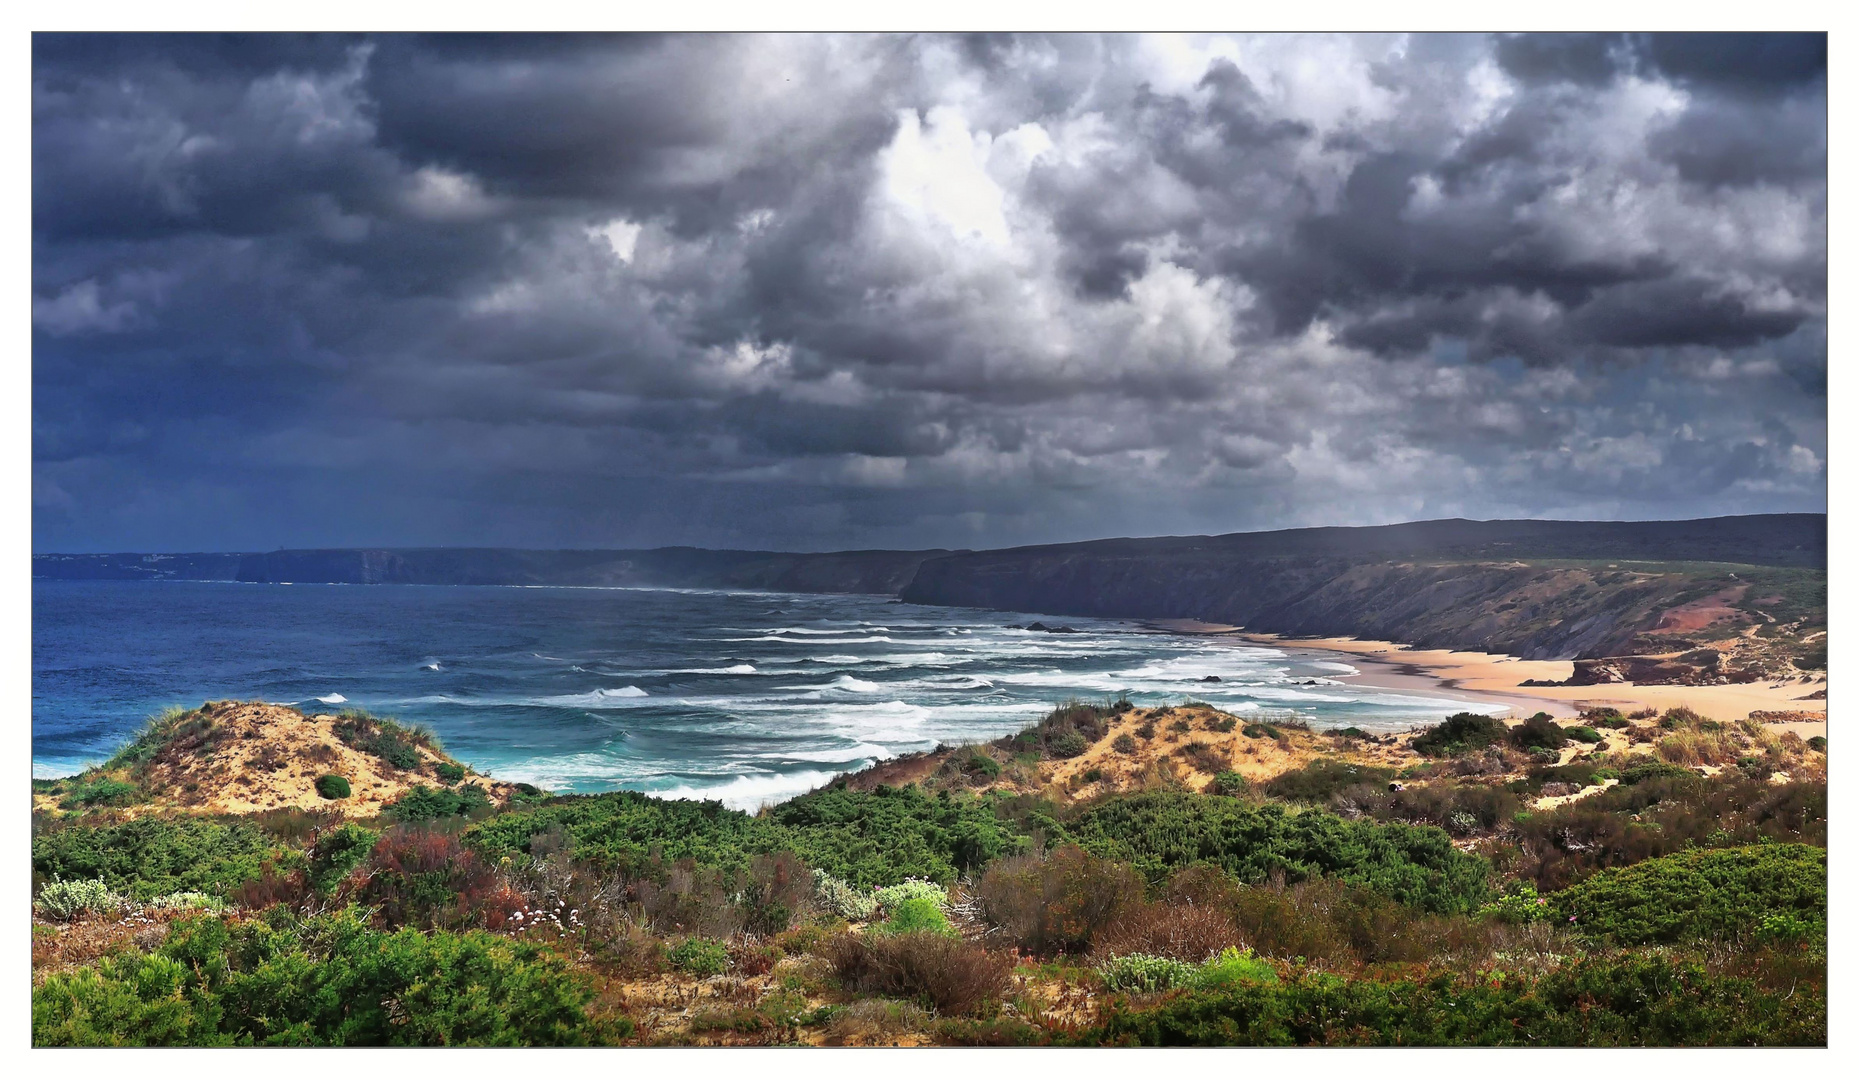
(1496, 678)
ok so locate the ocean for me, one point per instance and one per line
(749, 698)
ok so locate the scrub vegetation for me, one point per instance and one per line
(1475, 883)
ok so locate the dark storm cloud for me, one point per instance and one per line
(819, 292)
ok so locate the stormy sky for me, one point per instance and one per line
(826, 292)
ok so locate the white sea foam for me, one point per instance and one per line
(751, 791)
(332, 699)
(838, 755)
(593, 700)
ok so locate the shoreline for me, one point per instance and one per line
(1495, 679)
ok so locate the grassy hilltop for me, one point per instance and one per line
(1113, 875)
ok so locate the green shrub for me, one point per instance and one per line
(66, 900)
(891, 896)
(1582, 734)
(1629, 1001)
(1539, 732)
(918, 914)
(866, 838)
(1521, 904)
(1123, 744)
(331, 786)
(1606, 718)
(1157, 831)
(841, 899)
(102, 791)
(1067, 745)
(1229, 783)
(1233, 967)
(1720, 894)
(337, 852)
(186, 901)
(152, 856)
(1261, 731)
(1140, 973)
(1817, 742)
(1653, 769)
(421, 803)
(330, 981)
(983, 766)
(449, 772)
(384, 738)
(1460, 733)
(1321, 779)
(699, 956)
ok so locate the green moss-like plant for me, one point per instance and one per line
(331, 786)
(699, 956)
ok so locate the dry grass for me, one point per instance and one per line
(250, 757)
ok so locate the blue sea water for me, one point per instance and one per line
(745, 697)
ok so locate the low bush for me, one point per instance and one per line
(1228, 783)
(1659, 815)
(1582, 734)
(330, 981)
(1460, 733)
(1141, 973)
(1318, 781)
(151, 856)
(338, 851)
(699, 956)
(1056, 902)
(890, 897)
(1539, 732)
(1158, 831)
(1633, 1001)
(1179, 928)
(1693, 895)
(331, 786)
(1123, 744)
(66, 900)
(839, 898)
(1648, 769)
(103, 791)
(951, 974)
(424, 877)
(384, 738)
(917, 915)
(1068, 744)
(1817, 743)
(449, 772)
(1233, 967)
(421, 803)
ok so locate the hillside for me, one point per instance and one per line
(1108, 876)
(232, 757)
(1539, 590)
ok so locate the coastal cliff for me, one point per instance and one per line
(1539, 590)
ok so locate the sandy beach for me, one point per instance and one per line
(1495, 680)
